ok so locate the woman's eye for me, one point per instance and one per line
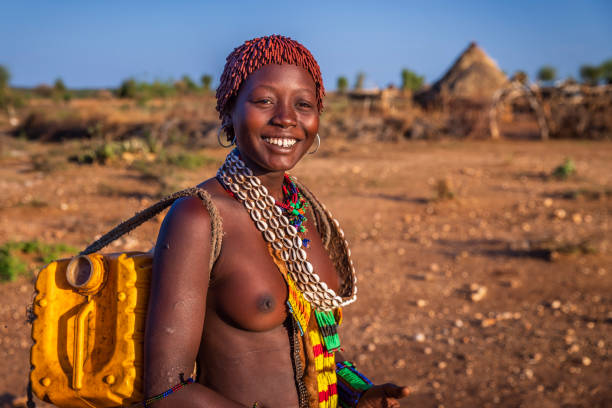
(304, 104)
(263, 101)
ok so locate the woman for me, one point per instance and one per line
(261, 321)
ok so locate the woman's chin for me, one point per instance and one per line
(276, 158)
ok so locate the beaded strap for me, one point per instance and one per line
(149, 401)
(351, 384)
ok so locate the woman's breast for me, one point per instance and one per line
(250, 293)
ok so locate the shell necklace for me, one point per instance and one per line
(276, 230)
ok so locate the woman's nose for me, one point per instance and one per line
(284, 116)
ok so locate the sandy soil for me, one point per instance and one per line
(488, 298)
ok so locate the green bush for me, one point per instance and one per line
(547, 73)
(360, 81)
(5, 77)
(606, 71)
(13, 256)
(590, 74)
(565, 170)
(411, 81)
(11, 266)
(342, 84)
(127, 89)
(206, 82)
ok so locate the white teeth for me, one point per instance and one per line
(281, 142)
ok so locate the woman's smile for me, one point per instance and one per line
(285, 143)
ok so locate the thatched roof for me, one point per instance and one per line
(474, 75)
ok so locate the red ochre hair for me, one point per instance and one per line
(254, 54)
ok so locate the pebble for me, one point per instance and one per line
(560, 213)
(371, 347)
(488, 322)
(427, 350)
(478, 292)
(442, 365)
(528, 373)
(421, 303)
(401, 363)
(555, 304)
(419, 337)
(459, 323)
(586, 361)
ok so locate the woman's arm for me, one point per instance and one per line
(177, 307)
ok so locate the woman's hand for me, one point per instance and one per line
(383, 396)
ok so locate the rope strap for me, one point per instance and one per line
(148, 213)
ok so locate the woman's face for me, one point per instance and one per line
(275, 117)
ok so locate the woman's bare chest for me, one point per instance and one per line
(249, 290)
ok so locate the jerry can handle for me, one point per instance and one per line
(79, 344)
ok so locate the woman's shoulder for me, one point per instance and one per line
(197, 210)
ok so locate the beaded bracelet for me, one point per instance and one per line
(351, 384)
(149, 401)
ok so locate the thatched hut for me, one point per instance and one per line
(474, 76)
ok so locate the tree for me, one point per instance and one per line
(411, 81)
(206, 82)
(4, 91)
(127, 89)
(5, 77)
(606, 71)
(521, 77)
(342, 84)
(590, 74)
(547, 73)
(59, 86)
(190, 86)
(359, 81)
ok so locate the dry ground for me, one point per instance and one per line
(533, 254)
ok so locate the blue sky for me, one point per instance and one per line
(99, 43)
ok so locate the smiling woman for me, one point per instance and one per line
(260, 319)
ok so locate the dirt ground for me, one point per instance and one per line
(497, 296)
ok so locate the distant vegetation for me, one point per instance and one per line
(565, 170)
(142, 90)
(206, 81)
(359, 81)
(520, 76)
(14, 256)
(547, 73)
(342, 84)
(411, 81)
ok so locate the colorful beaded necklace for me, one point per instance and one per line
(294, 206)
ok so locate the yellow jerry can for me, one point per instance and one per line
(89, 330)
(90, 314)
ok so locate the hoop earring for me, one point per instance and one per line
(219, 139)
(318, 145)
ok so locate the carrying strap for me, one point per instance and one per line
(126, 226)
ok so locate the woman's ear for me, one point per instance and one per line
(228, 127)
